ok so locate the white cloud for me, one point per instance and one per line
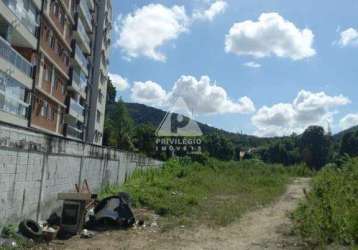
(306, 109)
(349, 37)
(270, 35)
(349, 121)
(149, 28)
(201, 95)
(205, 97)
(143, 32)
(148, 92)
(119, 82)
(216, 8)
(252, 65)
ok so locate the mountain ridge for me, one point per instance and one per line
(143, 114)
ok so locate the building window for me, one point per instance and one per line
(56, 82)
(48, 72)
(55, 9)
(63, 89)
(98, 116)
(100, 97)
(45, 72)
(61, 117)
(59, 49)
(66, 59)
(52, 42)
(49, 112)
(44, 109)
(61, 18)
(46, 33)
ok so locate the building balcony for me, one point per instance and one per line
(66, 4)
(15, 64)
(13, 100)
(78, 83)
(73, 132)
(91, 4)
(82, 37)
(103, 68)
(38, 4)
(75, 112)
(81, 60)
(99, 122)
(23, 22)
(11, 104)
(85, 12)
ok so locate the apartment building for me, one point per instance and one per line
(101, 50)
(51, 76)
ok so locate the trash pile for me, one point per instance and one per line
(82, 214)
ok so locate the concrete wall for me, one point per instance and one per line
(35, 167)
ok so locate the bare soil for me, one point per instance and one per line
(265, 228)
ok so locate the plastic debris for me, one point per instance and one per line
(115, 210)
(87, 234)
(7, 243)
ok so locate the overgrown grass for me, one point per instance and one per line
(216, 194)
(330, 214)
(9, 232)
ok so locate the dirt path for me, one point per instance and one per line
(267, 228)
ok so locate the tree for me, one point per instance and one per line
(284, 151)
(111, 93)
(108, 139)
(144, 139)
(219, 147)
(315, 147)
(349, 144)
(119, 127)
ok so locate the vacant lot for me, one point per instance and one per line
(264, 228)
(222, 205)
(218, 193)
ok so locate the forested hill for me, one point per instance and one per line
(340, 135)
(142, 114)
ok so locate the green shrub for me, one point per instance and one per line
(10, 232)
(330, 213)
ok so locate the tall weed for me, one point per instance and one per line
(330, 214)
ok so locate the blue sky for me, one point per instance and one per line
(302, 57)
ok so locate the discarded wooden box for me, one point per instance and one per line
(74, 210)
(75, 196)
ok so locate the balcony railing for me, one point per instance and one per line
(83, 32)
(87, 14)
(14, 57)
(80, 80)
(74, 132)
(79, 54)
(91, 4)
(76, 107)
(28, 19)
(13, 105)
